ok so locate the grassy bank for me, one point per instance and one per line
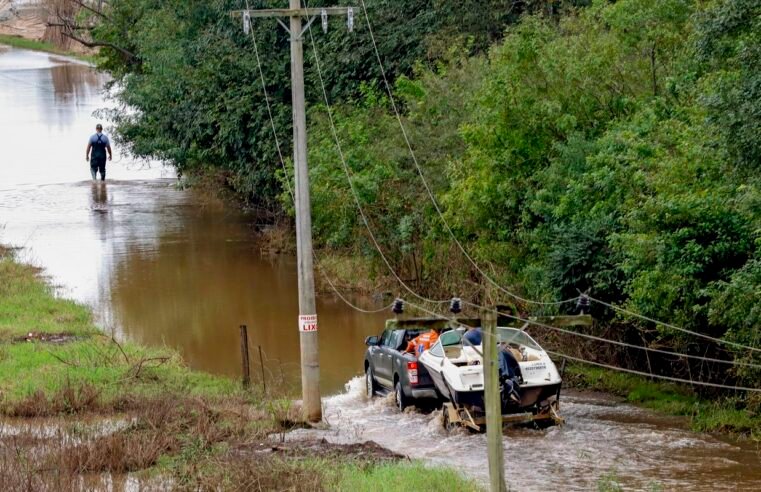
(735, 415)
(77, 405)
(36, 45)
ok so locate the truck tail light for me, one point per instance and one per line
(412, 372)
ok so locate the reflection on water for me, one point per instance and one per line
(157, 264)
(71, 83)
(204, 277)
(47, 116)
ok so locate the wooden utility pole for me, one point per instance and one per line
(493, 402)
(310, 365)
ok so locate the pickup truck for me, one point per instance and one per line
(389, 368)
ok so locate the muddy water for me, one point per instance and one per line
(169, 267)
(603, 442)
(157, 264)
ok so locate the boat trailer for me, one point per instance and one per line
(465, 416)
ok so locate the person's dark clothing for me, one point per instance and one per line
(473, 336)
(96, 166)
(99, 142)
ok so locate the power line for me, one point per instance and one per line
(347, 172)
(288, 182)
(674, 327)
(428, 188)
(418, 296)
(658, 376)
(415, 294)
(349, 303)
(614, 342)
(459, 244)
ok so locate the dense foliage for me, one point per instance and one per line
(188, 80)
(612, 150)
(602, 147)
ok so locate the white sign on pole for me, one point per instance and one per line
(307, 322)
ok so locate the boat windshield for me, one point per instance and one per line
(514, 335)
(504, 334)
(449, 338)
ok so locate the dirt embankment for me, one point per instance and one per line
(29, 19)
(23, 18)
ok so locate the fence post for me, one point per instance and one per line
(261, 363)
(244, 355)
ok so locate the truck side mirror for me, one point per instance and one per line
(371, 341)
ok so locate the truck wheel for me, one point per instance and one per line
(399, 396)
(371, 387)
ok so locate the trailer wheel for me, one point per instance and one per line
(371, 387)
(449, 426)
(399, 396)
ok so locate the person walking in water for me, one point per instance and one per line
(99, 144)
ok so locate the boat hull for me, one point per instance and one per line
(438, 380)
(531, 398)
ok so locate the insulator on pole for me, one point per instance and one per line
(246, 22)
(398, 306)
(583, 303)
(455, 305)
(324, 16)
(350, 18)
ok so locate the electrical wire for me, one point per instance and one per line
(674, 327)
(657, 376)
(614, 342)
(461, 247)
(416, 295)
(288, 183)
(430, 192)
(347, 172)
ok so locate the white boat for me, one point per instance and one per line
(457, 371)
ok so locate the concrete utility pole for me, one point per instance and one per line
(493, 403)
(310, 364)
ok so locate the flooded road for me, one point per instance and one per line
(158, 265)
(603, 442)
(165, 266)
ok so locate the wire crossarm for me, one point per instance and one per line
(308, 12)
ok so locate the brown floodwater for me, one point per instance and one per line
(171, 267)
(157, 264)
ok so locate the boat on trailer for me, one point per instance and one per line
(456, 368)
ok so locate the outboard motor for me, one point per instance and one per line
(510, 378)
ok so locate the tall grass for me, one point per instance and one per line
(735, 415)
(193, 430)
(37, 45)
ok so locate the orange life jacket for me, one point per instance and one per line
(422, 342)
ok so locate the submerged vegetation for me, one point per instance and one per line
(575, 146)
(78, 407)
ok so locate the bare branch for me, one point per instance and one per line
(87, 7)
(96, 44)
(72, 27)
